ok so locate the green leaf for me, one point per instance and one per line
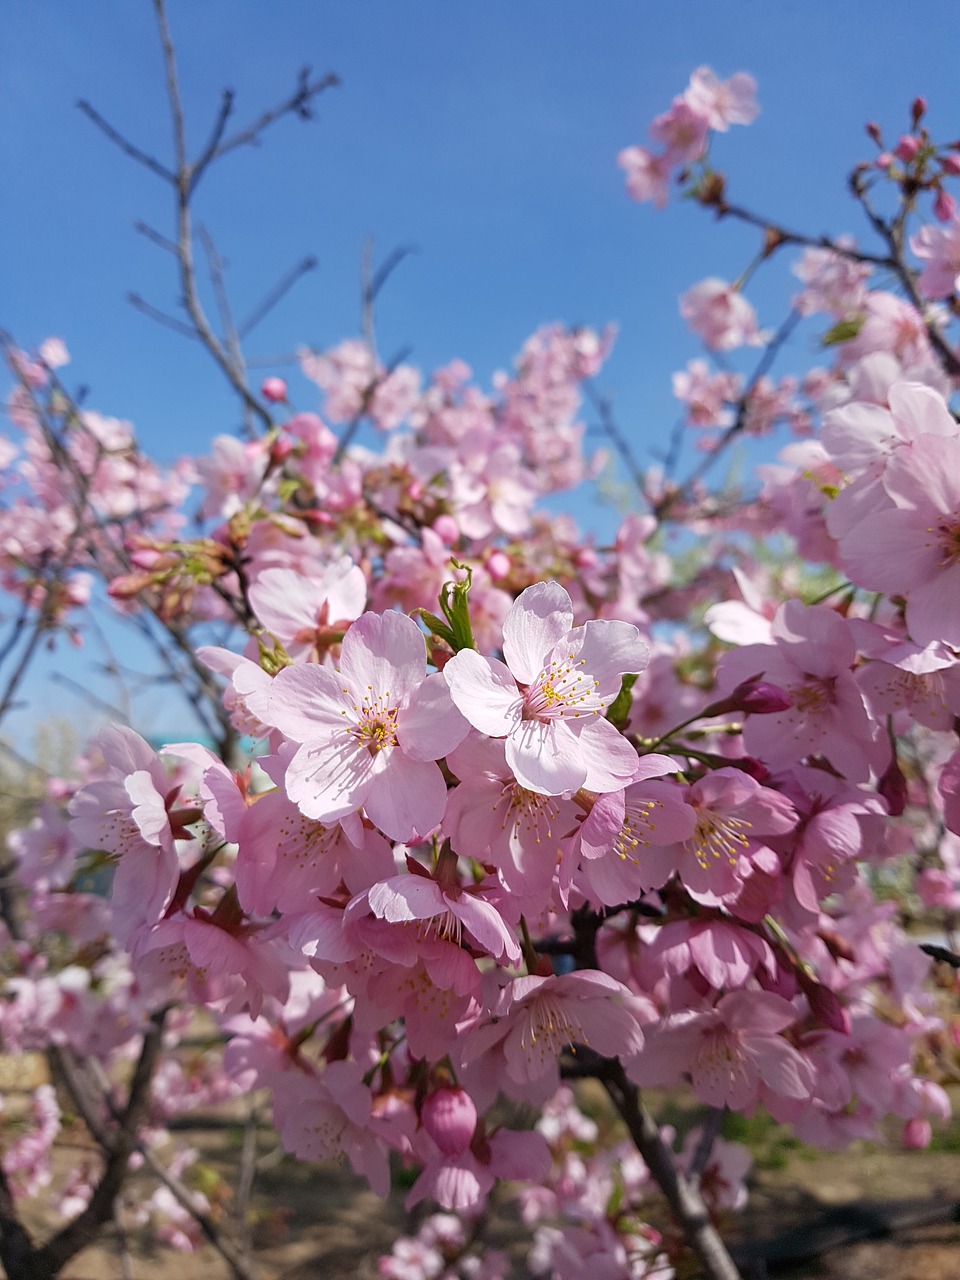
(843, 331)
(619, 709)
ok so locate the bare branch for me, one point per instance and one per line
(781, 236)
(125, 145)
(17, 1252)
(284, 285)
(161, 317)
(299, 103)
(118, 1145)
(684, 1199)
(155, 237)
(216, 135)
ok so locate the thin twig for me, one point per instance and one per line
(125, 145)
(284, 285)
(161, 317)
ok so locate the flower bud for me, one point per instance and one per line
(274, 390)
(918, 109)
(907, 148)
(445, 527)
(944, 207)
(893, 787)
(917, 1133)
(950, 163)
(450, 1118)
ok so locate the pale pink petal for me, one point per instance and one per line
(430, 726)
(545, 756)
(484, 691)
(384, 653)
(407, 798)
(541, 615)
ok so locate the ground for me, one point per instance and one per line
(319, 1222)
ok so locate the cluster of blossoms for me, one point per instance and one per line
(507, 819)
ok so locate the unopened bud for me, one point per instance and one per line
(918, 109)
(950, 163)
(274, 390)
(754, 696)
(450, 1118)
(917, 1133)
(944, 207)
(873, 132)
(893, 787)
(907, 148)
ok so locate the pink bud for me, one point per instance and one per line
(825, 1005)
(884, 160)
(907, 148)
(917, 1132)
(918, 110)
(281, 449)
(893, 787)
(450, 1118)
(274, 390)
(944, 207)
(873, 131)
(763, 698)
(445, 527)
(498, 565)
(951, 163)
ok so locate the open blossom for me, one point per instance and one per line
(307, 614)
(535, 1018)
(912, 547)
(548, 700)
(939, 248)
(648, 175)
(723, 102)
(369, 734)
(733, 1052)
(720, 314)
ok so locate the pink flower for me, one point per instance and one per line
(534, 1019)
(733, 1052)
(939, 248)
(912, 548)
(648, 175)
(720, 315)
(306, 614)
(811, 659)
(682, 131)
(549, 698)
(723, 102)
(368, 735)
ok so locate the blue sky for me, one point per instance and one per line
(485, 134)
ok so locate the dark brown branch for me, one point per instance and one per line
(17, 1253)
(117, 1145)
(941, 953)
(781, 236)
(892, 235)
(685, 1202)
(181, 1193)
